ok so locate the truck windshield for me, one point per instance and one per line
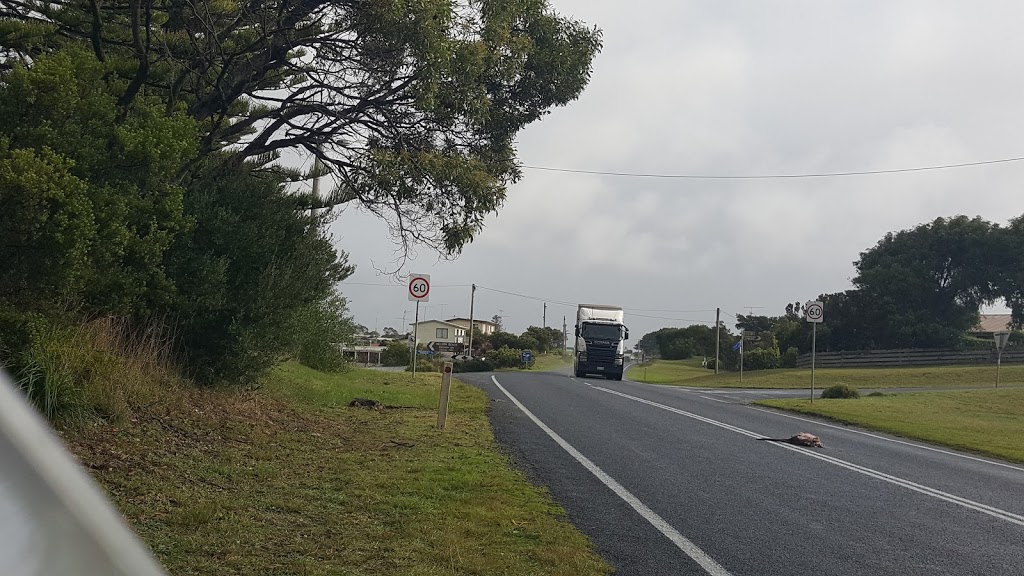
(601, 331)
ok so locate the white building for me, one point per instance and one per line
(439, 331)
(482, 326)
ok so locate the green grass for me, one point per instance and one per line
(552, 362)
(667, 371)
(289, 481)
(689, 373)
(988, 422)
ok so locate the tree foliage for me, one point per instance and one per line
(413, 107)
(140, 147)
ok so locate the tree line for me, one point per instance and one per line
(917, 288)
(141, 148)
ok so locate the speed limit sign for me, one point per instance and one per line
(419, 288)
(815, 312)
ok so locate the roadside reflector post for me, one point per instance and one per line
(446, 389)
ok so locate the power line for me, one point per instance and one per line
(631, 311)
(774, 176)
(346, 283)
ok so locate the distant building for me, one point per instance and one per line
(482, 326)
(990, 323)
(439, 331)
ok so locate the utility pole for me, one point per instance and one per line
(565, 335)
(472, 300)
(718, 335)
(545, 315)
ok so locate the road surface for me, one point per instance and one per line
(667, 480)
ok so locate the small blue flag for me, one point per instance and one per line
(737, 345)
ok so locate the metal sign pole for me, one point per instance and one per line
(999, 360)
(814, 352)
(742, 346)
(415, 339)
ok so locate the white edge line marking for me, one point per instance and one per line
(715, 399)
(689, 548)
(893, 440)
(935, 493)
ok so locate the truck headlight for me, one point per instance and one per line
(618, 361)
(583, 356)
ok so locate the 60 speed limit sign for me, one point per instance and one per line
(815, 312)
(419, 288)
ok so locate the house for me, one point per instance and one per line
(990, 323)
(482, 326)
(439, 331)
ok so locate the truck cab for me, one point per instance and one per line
(600, 341)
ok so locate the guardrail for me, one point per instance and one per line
(909, 357)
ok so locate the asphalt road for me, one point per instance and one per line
(674, 481)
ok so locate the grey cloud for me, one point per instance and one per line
(738, 88)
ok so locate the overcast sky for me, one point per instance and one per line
(734, 87)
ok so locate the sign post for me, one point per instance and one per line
(815, 314)
(419, 291)
(526, 357)
(446, 388)
(1001, 339)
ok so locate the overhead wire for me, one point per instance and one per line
(631, 311)
(774, 176)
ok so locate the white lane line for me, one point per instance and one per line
(893, 440)
(715, 399)
(934, 493)
(689, 548)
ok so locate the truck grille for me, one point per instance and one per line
(600, 355)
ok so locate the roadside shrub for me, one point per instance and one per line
(106, 368)
(475, 365)
(427, 364)
(506, 357)
(319, 330)
(974, 343)
(761, 359)
(840, 391)
(396, 354)
(790, 357)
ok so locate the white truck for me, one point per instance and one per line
(600, 341)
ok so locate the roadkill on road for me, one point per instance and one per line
(801, 439)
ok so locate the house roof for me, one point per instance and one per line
(993, 323)
(475, 320)
(436, 321)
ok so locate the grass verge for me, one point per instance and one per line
(287, 480)
(689, 373)
(989, 422)
(667, 371)
(552, 362)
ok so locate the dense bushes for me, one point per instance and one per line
(103, 368)
(789, 359)
(840, 391)
(761, 359)
(396, 354)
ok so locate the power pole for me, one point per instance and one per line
(718, 335)
(545, 315)
(472, 300)
(565, 335)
